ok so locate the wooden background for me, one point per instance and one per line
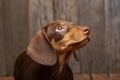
(20, 19)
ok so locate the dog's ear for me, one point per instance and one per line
(40, 49)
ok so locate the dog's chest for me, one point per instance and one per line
(53, 73)
(65, 74)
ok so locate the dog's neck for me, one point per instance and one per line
(63, 59)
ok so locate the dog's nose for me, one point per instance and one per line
(86, 30)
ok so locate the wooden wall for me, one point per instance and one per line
(112, 29)
(14, 33)
(20, 19)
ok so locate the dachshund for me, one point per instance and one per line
(47, 55)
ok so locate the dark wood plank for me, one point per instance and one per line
(93, 57)
(40, 13)
(112, 43)
(65, 10)
(2, 56)
(97, 76)
(117, 24)
(16, 29)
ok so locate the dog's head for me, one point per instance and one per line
(65, 36)
(57, 38)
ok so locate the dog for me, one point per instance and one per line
(48, 53)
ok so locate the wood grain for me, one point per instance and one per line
(2, 56)
(91, 13)
(16, 31)
(40, 13)
(112, 29)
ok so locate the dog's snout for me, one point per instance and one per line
(86, 30)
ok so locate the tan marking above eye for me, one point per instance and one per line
(62, 22)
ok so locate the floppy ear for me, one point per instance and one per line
(40, 50)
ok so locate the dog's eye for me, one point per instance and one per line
(60, 28)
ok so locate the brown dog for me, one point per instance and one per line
(49, 51)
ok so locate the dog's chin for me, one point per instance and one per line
(81, 43)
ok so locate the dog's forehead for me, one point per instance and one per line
(65, 23)
(58, 22)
